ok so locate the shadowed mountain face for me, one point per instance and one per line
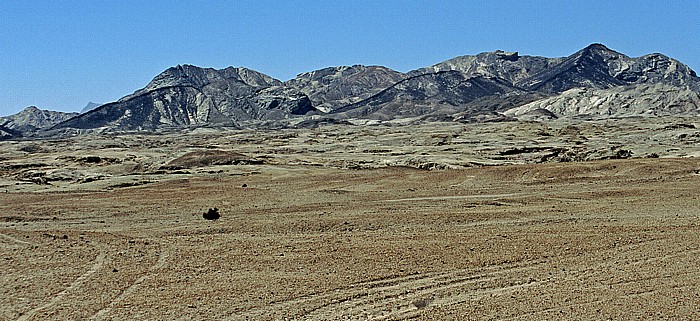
(444, 92)
(491, 82)
(596, 66)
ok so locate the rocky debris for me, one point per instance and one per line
(538, 114)
(318, 122)
(91, 160)
(206, 158)
(46, 177)
(579, 154)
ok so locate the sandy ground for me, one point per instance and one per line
(595, 240)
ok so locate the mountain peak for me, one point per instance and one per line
(597, 46)
(31, 109)
(598, 50)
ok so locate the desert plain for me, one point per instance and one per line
(557, 220)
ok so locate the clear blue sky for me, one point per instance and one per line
(59, 54)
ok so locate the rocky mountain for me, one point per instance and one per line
(332, 88)
(7, 133)
(596, 66)
(509, 66)
(593, 81)
(621, 86)
(90, 106)
(189, 95)
(444, 92)
(32, 119)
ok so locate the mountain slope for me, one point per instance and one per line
(90, 106)
(635, 100)
(509, 66)
(442, 92)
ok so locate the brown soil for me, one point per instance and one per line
(613, 239)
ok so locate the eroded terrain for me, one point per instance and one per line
(344, 222)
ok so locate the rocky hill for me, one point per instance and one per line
(189, 95)
(595, 81)
(332, 88)
(32, 119)
(596, 66)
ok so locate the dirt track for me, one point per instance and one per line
(597, 240)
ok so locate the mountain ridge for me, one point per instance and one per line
(486, 83)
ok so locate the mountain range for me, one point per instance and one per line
(593, 82)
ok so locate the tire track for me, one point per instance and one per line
(322, 298)
(99, 263)
(14, 239)
(375, 296)
(389, 302)
(406, 311)
(633, 263)
(400, 297)
(160, 264)
(598, 302)
(396, 300)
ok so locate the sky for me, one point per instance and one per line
(62, 54)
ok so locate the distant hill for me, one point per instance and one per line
(32, 119)
(90, 106)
